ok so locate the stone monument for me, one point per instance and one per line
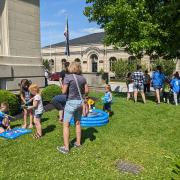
(20, 51)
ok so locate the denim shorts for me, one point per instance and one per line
(157, 87)
(38, 116)
(73, 108)
(59, 102)
(138, 87)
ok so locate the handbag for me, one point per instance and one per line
(85, 107)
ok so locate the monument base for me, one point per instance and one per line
(15, 70)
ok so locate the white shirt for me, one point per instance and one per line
(40, 108)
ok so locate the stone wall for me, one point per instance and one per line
(20, 54)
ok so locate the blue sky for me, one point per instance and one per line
(53, 20)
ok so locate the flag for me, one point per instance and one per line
(66, 34)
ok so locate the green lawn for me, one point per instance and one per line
(147, 135)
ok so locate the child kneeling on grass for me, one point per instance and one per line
(4, 119)
(107, 100)
(38, 109)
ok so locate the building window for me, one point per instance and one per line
(131, 59)
(112, 61)
(94, 61)
(63, 61)
(77, 60)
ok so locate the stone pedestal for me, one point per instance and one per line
(20, 55)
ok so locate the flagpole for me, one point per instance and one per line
(66, 33)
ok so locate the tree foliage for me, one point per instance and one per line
(146, 26)
(123, 67)
(46, 64)
(167, 66)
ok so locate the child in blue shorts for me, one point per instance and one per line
(107, 100)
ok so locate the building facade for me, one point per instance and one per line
(20, 51)
(89, 51)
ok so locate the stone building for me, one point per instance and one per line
(20, 51)
(90, 51)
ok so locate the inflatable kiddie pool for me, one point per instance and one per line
(94, 119)
(14, 133)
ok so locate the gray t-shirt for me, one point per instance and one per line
(73, 93)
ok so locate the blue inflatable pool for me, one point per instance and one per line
(94, 119)
(14, 133)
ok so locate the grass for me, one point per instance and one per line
(147, 135)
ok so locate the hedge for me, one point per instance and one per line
(12, 100)
(49, 92)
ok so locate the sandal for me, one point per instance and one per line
(36, 136)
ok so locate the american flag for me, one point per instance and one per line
(66, 34)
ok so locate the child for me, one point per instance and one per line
(38, 109)
(26, 98)
(90, 102)
(107, 99)
(85, 108)
(129, 84)
(4, 119)
(166, 91)
(147, 82)
(175, 85)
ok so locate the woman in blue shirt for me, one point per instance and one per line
(158, 79)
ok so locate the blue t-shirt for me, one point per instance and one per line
(107, 97)
(158, 78)
(175, 83)
(2, 116)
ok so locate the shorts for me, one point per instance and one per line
(72, 109)
(157, 87)
(59, 102)
(166, 95)
(38, 116)
(138, 87)
(107, 107)
(130, 87)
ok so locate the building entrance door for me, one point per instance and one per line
(94, 60)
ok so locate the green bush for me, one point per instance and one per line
(123, 67)
(168, 66)
(49, 92)
(11, 99)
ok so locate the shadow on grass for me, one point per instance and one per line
(88, 133)
(16, 125)
(49, 129)
(44, 119)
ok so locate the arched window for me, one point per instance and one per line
(63, 61)
(131, 59)
(94, 61)
(77, 60)
(112, 60)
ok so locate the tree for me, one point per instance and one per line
(123, 67)
(142, 27)
(46, 64)
(167, 66)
